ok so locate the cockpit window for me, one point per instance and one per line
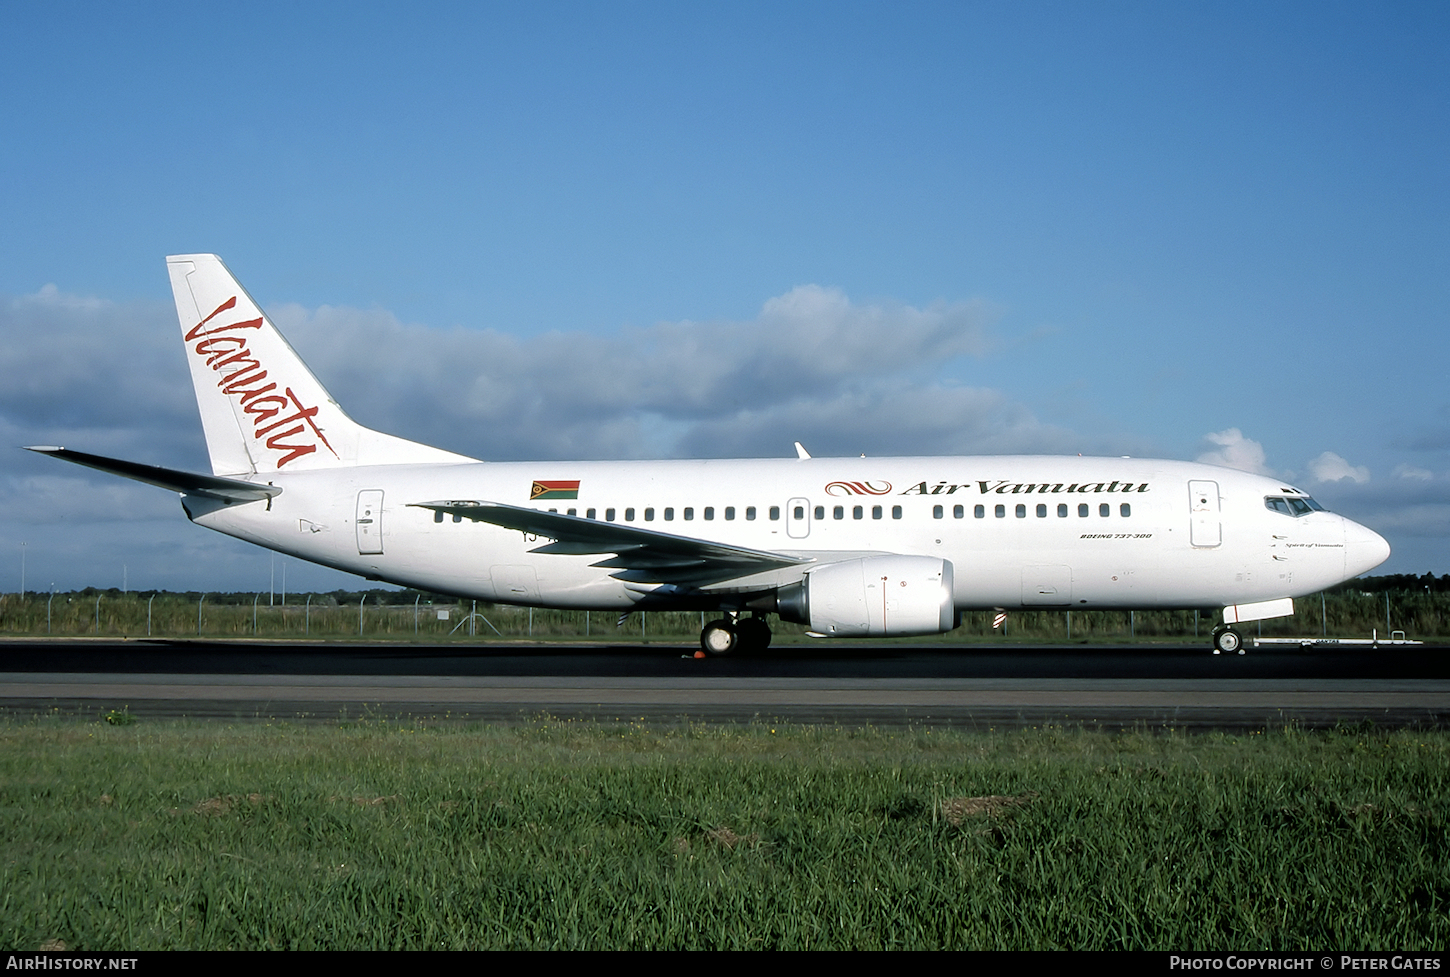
(1292, 506)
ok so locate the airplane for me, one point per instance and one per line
(848, 547)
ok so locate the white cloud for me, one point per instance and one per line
(811, 364)
(1236, 451)
(1329, 467)
(112, 378)
(1411, 473)
(72, 362)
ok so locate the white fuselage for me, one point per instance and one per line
(1019, 531)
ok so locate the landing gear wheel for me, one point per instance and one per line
(1227, 641)
(754, 634)
(719, 638)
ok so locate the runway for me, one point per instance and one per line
(990, 686)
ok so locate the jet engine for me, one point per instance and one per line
(873, 597)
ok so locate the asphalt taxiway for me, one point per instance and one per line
(982, 686)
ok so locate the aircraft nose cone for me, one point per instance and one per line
(1364, 549)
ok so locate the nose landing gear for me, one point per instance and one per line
(1227, 641)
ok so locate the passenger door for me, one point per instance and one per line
(1204, 527)
(370, 521)
(798, 518)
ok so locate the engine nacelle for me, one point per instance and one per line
(873, 597)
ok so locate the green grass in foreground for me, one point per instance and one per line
(558, 834)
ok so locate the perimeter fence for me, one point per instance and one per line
(1421, 612)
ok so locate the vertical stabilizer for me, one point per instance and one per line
(261, 408)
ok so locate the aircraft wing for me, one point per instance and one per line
(189, 483)
(639, 555)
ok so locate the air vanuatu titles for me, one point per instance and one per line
(1022, 488)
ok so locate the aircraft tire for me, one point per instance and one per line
(719, 638)
(1227, 641)
(754, 635)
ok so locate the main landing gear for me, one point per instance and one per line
(1227, 641)
(733, 634)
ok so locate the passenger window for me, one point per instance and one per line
(1000, 512)
(958, 511)
(820, 512)
(1104, 509)
(875, 512)
(629, 515)
(839, 512)
(980, 512)
(729, 513)
(689, 512)
(858, 513)
(774, 513)
(1125, 510)
(1021, 511)
(573, 512)
(437, 515)
(936, 512)
(750, 513)
(709, 512)
(800, 512)
(608, 515)
(896, 512)
(669, 513)
(589, 514)
(1041, 511)
(649, 515)
(1062, 510)
(1082, 511)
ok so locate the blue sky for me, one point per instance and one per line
(1178, 230)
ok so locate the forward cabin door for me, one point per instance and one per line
(798, 518)
(1204, 527)
(370, 521)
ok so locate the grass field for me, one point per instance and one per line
(554, 834)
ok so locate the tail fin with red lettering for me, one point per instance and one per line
(261, 408)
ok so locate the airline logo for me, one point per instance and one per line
(554, 490)
(1004, 487)
(294, 433)
(858, 488)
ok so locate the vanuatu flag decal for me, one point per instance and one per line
(554, 490)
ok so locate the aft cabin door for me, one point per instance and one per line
(1204, 527)
(370, 521)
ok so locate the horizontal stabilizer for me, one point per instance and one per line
(188, 483)
(639, 555)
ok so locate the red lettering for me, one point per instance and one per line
(230, 303)
(198, 331)
(233, 383)
(297, 450)
(246, 381)
(309, 412)
(265, 413)
(315, 429)
(209, 348)
(249, 395)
